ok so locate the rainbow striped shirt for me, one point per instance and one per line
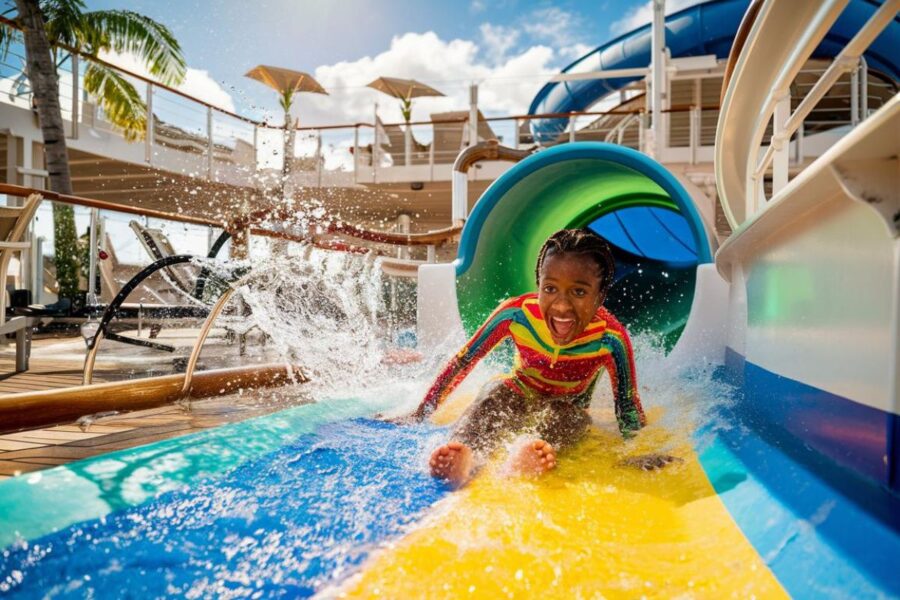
(542, 368)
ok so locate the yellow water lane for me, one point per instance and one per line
(591, 529)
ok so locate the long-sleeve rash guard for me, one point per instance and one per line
(543, 368)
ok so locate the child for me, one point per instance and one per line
(564, 340)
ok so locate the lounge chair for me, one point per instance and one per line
(14, 221)
(180, 277)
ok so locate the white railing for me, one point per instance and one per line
(781, 40)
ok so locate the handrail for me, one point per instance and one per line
(93, 344)
(780, 40)
(430, 238)
(22, 191)
(138, 76)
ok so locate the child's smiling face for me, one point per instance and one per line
(569, 294)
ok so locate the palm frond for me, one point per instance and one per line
(63, 20)
(128, 31)
(120, 101)
(8, 35)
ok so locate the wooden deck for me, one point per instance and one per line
(32, 450)
(57, 362)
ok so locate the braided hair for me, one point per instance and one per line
(580, 241)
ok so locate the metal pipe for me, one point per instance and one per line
(201, 339)
(148, 137)
(489, 150)
(75, 93)
(657, 73)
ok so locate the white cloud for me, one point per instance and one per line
(477, 6)
(643, 14)
(551, 25)
(196, 83)
(450, 66)
(498, 40)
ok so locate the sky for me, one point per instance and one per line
(510, 47)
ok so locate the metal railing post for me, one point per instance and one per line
(516, 126)
(642, 130)
(148, 137)
(75, 93)
(854, 97)
(781, 139)
(407, 146)
(864, 88)
(355, 153)
(571, 127)
(210, 144)
(694, 133)
(319, 158)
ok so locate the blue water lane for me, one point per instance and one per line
(282, 525)
(820, 541)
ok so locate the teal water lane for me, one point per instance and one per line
(35, 504)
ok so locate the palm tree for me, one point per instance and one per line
(48, 25)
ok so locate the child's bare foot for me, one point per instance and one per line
(532, 458)
(453, 462)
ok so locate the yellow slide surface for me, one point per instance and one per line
(590, 529)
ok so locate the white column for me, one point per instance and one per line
(210, 146)
(407, 145)
(148, 140)
(403, 224)
(781, 144)
(355, 153)
(657, 76)
(473, 114)
(75, 94)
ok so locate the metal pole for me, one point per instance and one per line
(657, 76)
(854, 97)
(210, 145)
(863, 88)
(92, 258)
(319, 158)
(473, 114)
(407, 145)
(355, 153)
(781, 144)
(375, 147)
(75, 93)
(148, 139)
(571, 127)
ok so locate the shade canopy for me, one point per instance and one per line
(404, 89)
(285, 80)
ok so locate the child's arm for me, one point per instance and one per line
(629, 413)
(491, 333)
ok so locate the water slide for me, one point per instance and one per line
(707, 28)
(320, 499)
(657, 234)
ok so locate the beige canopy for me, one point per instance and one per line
(283, 80)
(404, 89)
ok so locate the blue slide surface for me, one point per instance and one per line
(283, 525)
(702, 29)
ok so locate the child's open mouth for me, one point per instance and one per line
(561, 327)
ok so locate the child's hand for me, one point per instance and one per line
(649, 462)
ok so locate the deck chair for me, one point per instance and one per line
(158, 246)
(452, 137)
(14, 221)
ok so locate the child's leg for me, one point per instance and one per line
(563, 424)
(560, 425)
(496, 412)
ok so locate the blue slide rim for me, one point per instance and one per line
(627, 157)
